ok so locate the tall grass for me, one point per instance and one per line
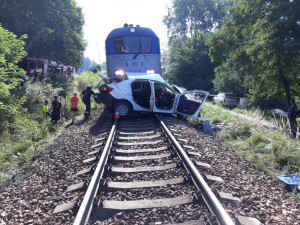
(264, 140)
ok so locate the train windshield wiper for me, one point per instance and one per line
(139, 52)
(136, 55)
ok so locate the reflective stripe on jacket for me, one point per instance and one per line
(74, 102)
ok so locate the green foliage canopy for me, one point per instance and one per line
(95, 69)
(11, 52)
(189, 16)
(261, 41)
(54, 28)
(191, 65)
(187, 61)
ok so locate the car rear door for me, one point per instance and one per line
(187, 105)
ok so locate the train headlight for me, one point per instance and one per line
(119, 72)
(150, 71)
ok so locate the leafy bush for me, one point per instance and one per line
(11, 76)
(36, 94)
(59, 82)
(86, 78)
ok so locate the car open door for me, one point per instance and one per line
(163, 98)
(189, 103)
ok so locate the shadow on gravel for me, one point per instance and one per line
(100, 125)
(101, 214)
(80, 123)
(69, 125)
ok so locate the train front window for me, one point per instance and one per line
(133, 44)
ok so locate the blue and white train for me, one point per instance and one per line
(132, 49)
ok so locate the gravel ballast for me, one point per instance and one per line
(31, 195)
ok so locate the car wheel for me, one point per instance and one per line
(124, 108)
(221, 103)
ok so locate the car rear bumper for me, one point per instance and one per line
(105, 98)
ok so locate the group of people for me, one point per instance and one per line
(56, 109)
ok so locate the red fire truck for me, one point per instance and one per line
(34, 65)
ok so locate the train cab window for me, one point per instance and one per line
(133, 44)
(40, 65)
(32, 64)
(141, 93)
(164, 96)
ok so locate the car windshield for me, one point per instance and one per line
(133, 44)
(229, 95)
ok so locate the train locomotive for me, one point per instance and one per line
(132, 49)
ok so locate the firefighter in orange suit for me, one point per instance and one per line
(74, 106)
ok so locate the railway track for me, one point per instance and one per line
(144, 176)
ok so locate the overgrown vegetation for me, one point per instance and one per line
(24, 130)
(23, 126)
(265, 142)
(54, 28)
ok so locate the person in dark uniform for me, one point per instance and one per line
(292, 113)
(35, 74)
(86, 98)
(56, 109)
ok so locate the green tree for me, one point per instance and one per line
(260, 40)
(11, 77)
(191, 66)
(95, 69)
(54, 28)
(189, 16)
(168, 57)
(228, 81)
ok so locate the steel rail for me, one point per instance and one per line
(208, 196)
(87, 203)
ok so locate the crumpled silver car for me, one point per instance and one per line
(147, 93)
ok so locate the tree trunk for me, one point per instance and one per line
(284, 82)
(285, 85)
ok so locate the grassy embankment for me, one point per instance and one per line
(269, 149)
(25, 131)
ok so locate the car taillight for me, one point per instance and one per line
(107, 89)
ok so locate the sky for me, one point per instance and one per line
(102, 16)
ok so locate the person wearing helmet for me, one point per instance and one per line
(86, 98)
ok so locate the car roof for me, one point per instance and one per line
(145, 76)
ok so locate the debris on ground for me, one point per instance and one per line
(205, 126)
(292, 180)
